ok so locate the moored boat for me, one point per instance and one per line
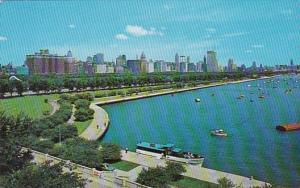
(169, 152)
(288, 127)
(218, 132)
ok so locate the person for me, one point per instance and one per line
(126, 150)
(97, 126)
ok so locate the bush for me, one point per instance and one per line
(83, 114)
(111, 152)
(81, 151)
(161, 176)
(43, 145)
(154, 177)
(63, 131)
(174, 170)
(82, 103)
(87, 96)
(46, 112)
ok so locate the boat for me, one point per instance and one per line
(197, 100)
(212, 94)
(261, 96)
(169, 152)
(251, 100)
(241, 96)
(218, 132)
(288, 127)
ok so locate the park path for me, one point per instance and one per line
(55, 106)
(72, 118)
(98, 125)
(193, 171)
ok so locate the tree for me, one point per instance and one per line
(12, 157)
(83, 114)
(225, 183)
(81, 151)
(111, 152)
(21, 87)
(46, 175)
(174, 170)
(3, 87)
(154, 177)
(82, 103)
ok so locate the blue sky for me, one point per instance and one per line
(266, 31)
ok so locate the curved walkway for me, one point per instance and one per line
(98, 125)
(55, 106)
(72, 118)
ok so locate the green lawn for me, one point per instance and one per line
(193, 183)
(33, 106)
(124, 165)
(81, 126)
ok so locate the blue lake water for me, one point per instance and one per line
(253, 148)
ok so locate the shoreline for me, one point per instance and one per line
(95, 134)
(159, 93)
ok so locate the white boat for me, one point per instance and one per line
(197, 100)
(218, 132)
(169, 152)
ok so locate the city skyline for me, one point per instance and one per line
(159, 29)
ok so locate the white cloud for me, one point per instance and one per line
(121, 37)
(139, 31)
(236, 34)
(2, 38)
(72, 26)
(211, 30)
(257, 46)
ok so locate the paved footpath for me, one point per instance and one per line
(98, 125)
(194, 171)
(55, 106)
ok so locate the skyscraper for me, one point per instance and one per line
(98, 58)
(144, 63)
(230, 65)
(177, 62)
(212, 62)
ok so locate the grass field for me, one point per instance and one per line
(193, 183)
(124, 165)
(81, 126)
(33, 106)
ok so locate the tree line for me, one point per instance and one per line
(54, 83)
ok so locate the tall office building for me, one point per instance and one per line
(183, 64)
(144, 63)
(98, 58)
(204, 64)
(177, 63)
(44, 63)
(212, 62)
(121, 60)
(254, 67)
(134, 66)
(230, 65)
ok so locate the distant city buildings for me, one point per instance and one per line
(98, 58)
(44, 63)
(212, 62)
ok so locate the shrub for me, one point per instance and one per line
(111, 152)
(83, 114)
(82, 103)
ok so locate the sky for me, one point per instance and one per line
(265, 31)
